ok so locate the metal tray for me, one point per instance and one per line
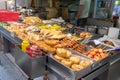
(66, 72)
(96, 64)
(33, 67)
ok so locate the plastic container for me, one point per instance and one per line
(24, 45)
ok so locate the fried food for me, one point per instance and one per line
(51, 42)
(61, 52)
(69, 54)
(96, 53)
(32, 20)
(77, 67)
(42, 45)
(85, 63)
(66, 62)
(85, 35)
(75, 59)
(58, 57)
(108, 43)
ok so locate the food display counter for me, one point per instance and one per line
(80, 66)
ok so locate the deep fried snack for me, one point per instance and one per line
(77, 67)
(51, 42)
(75, 59)
(58, 57)
(66, 62)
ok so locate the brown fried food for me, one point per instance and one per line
(59, 58)
(51, 42)
(85, 63)
(77, 67)
(66, 62)
(108, 43)
(75, 59)
(61, 52)
(44, 46)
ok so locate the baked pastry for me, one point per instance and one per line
(69, 54)
(58, 57)
(61, 52)
(77, 67)
(75, 59)
(66, 62)
(85, 63)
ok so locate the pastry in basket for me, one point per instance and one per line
(51, 42)
(77, 67)
(66, 62)
(75, 59)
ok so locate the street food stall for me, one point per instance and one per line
(47, 48)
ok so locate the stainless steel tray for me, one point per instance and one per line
(96, 64)
(66, 72)
(33, 67)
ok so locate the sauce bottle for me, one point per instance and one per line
(24, 45)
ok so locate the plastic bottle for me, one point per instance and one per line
(24, 45)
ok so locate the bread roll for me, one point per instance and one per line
(75, 59)
(85, 63)
(66, 62)
(77, 67)
(69, 54)
(61, 52)
(58, 57)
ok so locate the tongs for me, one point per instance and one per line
(85, 40)
(115, 48)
